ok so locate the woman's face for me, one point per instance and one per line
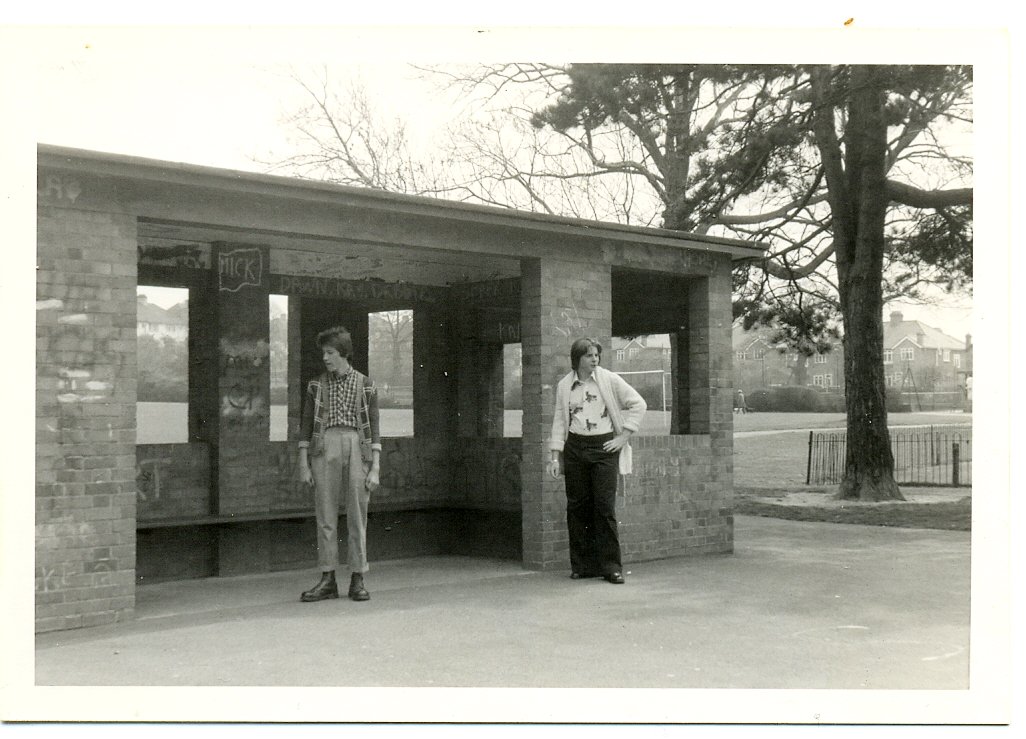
(589, 361)
(333, 361)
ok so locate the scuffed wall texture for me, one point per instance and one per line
(85, 411)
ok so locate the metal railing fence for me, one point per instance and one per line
(923, 455)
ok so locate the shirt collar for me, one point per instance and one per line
(578, 381)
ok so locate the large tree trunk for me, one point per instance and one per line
(858, 203)
(869, 463)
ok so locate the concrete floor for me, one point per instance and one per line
(798, 605)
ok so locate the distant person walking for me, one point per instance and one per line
(339, 452)
(595, 415)
(740, 404)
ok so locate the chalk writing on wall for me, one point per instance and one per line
(178, 255)
(243, 353)
(509, 333)
(329, 287)
(53, 578)
(238, 268)
(493, 289)
(243, 370)
(53, 187)
(147, 479)
(567, 322)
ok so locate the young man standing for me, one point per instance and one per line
(339, 453)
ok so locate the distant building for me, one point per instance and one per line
(918, 358)
(639, 354)
(921, 358)
(761, 361)
(159, 323)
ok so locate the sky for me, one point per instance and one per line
(215, 95)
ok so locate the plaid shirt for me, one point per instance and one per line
(340, 395)
(320, 398)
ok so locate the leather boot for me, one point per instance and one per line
(326, 588)
(356, 589)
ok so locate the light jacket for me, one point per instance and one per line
(626, 409)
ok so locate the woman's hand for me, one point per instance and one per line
(554, 468)
(305, 474)
(618, 442)
(373, 479)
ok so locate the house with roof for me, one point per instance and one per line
(639, 353)
(762, 360)
(159, 323)
(918, 359)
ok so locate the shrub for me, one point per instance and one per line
(895, 402)
(791, 399)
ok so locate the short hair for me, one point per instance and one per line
(337, 337)
(580, 347)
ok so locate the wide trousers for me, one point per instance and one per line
(591, 474)
(339, 477)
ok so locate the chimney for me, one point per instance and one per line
(896, 316)
(968, 341)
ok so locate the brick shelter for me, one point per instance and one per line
(112, 514)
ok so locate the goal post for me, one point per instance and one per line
(648, 381)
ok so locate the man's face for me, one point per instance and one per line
(334, 361)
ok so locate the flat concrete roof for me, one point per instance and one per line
(178, 173)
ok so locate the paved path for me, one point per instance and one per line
(799, 605)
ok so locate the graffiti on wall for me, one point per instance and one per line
(178, 255)
(567, 322)
(244, 400)
(508, 332)
(329, 287)
(148, 475)
(488, 474)
(238, 268)
(493, 289)
(59, 188)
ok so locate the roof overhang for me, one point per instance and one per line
(171, 174)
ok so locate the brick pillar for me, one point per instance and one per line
(719, 317)
(85, 411)
(697, 390)
(560, 301)
(702, 366)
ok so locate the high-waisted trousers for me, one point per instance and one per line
(339, 477)
(591, 474)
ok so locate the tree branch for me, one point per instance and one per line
(899, 192)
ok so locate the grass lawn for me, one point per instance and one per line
(951, 516)
(769, 468)
(745, 422)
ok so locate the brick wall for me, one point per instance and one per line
(85, 415)
(677, 502)
(172, 480)
(561, 301)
